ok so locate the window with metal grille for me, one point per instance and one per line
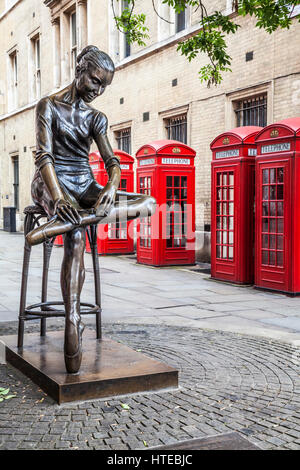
(252, 111)
(123, 138)
(177, 128)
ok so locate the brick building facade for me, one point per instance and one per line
(156, 93)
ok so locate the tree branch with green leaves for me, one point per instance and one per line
(214, 28)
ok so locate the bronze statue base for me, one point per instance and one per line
(108, 368)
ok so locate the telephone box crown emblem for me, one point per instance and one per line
(274, 133)
(226, 141)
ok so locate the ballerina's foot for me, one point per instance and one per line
(73, 347)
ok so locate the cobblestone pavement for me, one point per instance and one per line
(228, 382)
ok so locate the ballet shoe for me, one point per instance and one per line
(73, 347)
(47, 231)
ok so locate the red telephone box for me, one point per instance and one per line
(232, 205)
(166, 171)
(277, 254)
(114, 238)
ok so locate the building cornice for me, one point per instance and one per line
(51, 3)
(9, 9)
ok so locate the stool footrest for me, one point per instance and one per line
(48, 312)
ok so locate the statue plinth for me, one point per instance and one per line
(108, 368)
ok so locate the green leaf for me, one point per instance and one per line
(145, 443)
(125, 406)
(1, 399)
(1, 389)
(5, 391)
(10, 396)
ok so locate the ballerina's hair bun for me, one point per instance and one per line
(92, 55)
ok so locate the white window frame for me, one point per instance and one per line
(12, 79)
(73, 46)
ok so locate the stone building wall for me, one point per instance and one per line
(143, 80)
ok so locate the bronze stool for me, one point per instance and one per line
(44, 309)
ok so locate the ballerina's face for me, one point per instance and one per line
(92, 82)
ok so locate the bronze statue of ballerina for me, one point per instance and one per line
(64, 184)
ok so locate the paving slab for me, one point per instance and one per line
(153, 295)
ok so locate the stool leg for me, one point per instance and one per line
(28, 225)
(47, 249)
(93, 243)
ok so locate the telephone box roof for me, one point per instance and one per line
(244, 134)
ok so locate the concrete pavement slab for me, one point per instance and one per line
(287, 322)
(191, 312)
(256, 314)
(131, 290)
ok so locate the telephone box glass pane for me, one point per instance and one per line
(272, 221)
(279, 175)
(272, 175)
(272, 209)
(280, 191)
(280, 209)
(118, 230)
(265, 225)
(225, 237)
(272, 258)
(145, 222)
(265, 258)
(176, 192)
(265, 241)
(272, 192)
(272, 242)
(280, 258)
(265, 208)
(265, 193)
(265, 176)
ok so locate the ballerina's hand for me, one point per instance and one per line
(105, 200)
(66, 212)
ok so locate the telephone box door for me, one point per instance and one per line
(273, 224)
(224, 233)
